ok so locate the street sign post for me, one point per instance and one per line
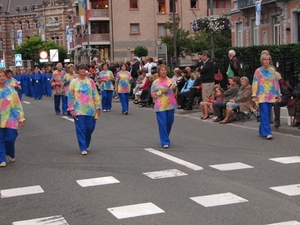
(54, 55)
(18, 59)
(43, 56)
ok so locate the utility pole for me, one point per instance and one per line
(212, 41)
(175, 35)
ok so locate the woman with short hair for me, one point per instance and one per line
(105, 79)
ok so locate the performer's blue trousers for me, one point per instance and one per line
(265, 112)
(124, 99)
(57, 104)
(7, 143)
(85, 126)
(106, 99)
(165, 120)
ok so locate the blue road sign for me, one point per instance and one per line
(18, 59)
(2, 65)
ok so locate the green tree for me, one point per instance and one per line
(30, 49)
(140, 51)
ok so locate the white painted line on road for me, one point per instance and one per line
(67, 118)
(218, 199)
(293, 222)
(231, 166)
(21, 191)
(97, 181)
(130, 211)
(290, 190)
(165, 174)
(174, 159)
(28, 103)
(53, 220)
(287, 160)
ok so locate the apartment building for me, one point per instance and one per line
(16, 15)
(279, 22)
(115, 28)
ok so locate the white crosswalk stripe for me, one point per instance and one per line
(165, 174)
(290, 190)
(53, 220)
(7, 193)
(231, 166)
(293, 222)
(287, 160)
(97, 181)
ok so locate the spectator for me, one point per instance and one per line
(195, 90)
(296, 111)
(286, 91)
(200, 62)
(207, 72)
(241, 100)
(234, 67)
(206, 106)
(134, 71)
(230, 93)
(265, 91)
(183, 94)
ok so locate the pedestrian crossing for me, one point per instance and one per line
(150, 208)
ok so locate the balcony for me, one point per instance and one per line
(219, 11)
(76, 21)
(98, 14)
(78, 41)
(96, 39)
(243, 4)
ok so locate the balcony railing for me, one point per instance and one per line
(93, 13)
(78, 41)
(76, 20)
(219, 11)
(251, 3)
(96, 38)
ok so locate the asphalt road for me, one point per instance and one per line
(199, 193)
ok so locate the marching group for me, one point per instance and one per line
(148, 84)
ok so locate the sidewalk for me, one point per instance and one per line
(251, 123)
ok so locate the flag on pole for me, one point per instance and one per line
(69, 39)
(82, 8)
(19, 36)
(42, 27)
(257, 12)
(12, 39)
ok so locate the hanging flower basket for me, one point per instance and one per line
(215, 24)
(88, 52)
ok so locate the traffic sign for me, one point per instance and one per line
(2, 65)
(18, 59)
(54, 55)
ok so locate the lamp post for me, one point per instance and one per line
(174, 36)
(88, 43)
(212, 42)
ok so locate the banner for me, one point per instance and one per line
(69, 38)
(257, 12)
(12, 39)
(42, 28)
(81, 8)
(19, 36)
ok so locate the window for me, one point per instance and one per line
(162, 31)
(12, 26)
(35, 24)
(19, 25)
(133, 4)
(194, 4)
(220, 4)
(239, 34)
(134, 28)
(55, 39)
(100, 27)
(161, 6)
(27, 25)
(99, 4)
(171, 6)
(0, 27)
(255, 33)
(276, 30)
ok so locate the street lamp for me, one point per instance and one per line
(212, 42)
(174, 36)
(88, 43)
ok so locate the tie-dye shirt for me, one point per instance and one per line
(164, 101)
(66, 82)
(83, 97)
(56, 82)
(265, 85)
(13, 83)
(107, 85)
(11, 110)
(123, 81)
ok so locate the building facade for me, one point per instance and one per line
(24, 15)
(279, 22)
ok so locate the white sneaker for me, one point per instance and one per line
(166, 146)
(104, 110)
(269, 137)
(84, 153)
(11, 159)
(108, 110)
(3, 164)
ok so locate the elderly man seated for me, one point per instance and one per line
(241, 100)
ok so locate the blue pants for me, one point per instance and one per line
(48, 89)
(7, 143)
(165, 120)
(265, 112)
(20, 93)
(57, 104)
(85, 126)
(124, 99)
(106, 99)
(38, 90)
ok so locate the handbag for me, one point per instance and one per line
(292, 102)
(218, 76)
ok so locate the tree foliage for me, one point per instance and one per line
(30, 49)
(140, 51)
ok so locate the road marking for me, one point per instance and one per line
(287, 160)
(293, 222)
(165, 174)
(97, 181)
(28, 103)
(67, 118)
(174, 159)
(130, 211)
(290, 190)
(21, 191)
(53, 220)
(231, 166)
(218, 199)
